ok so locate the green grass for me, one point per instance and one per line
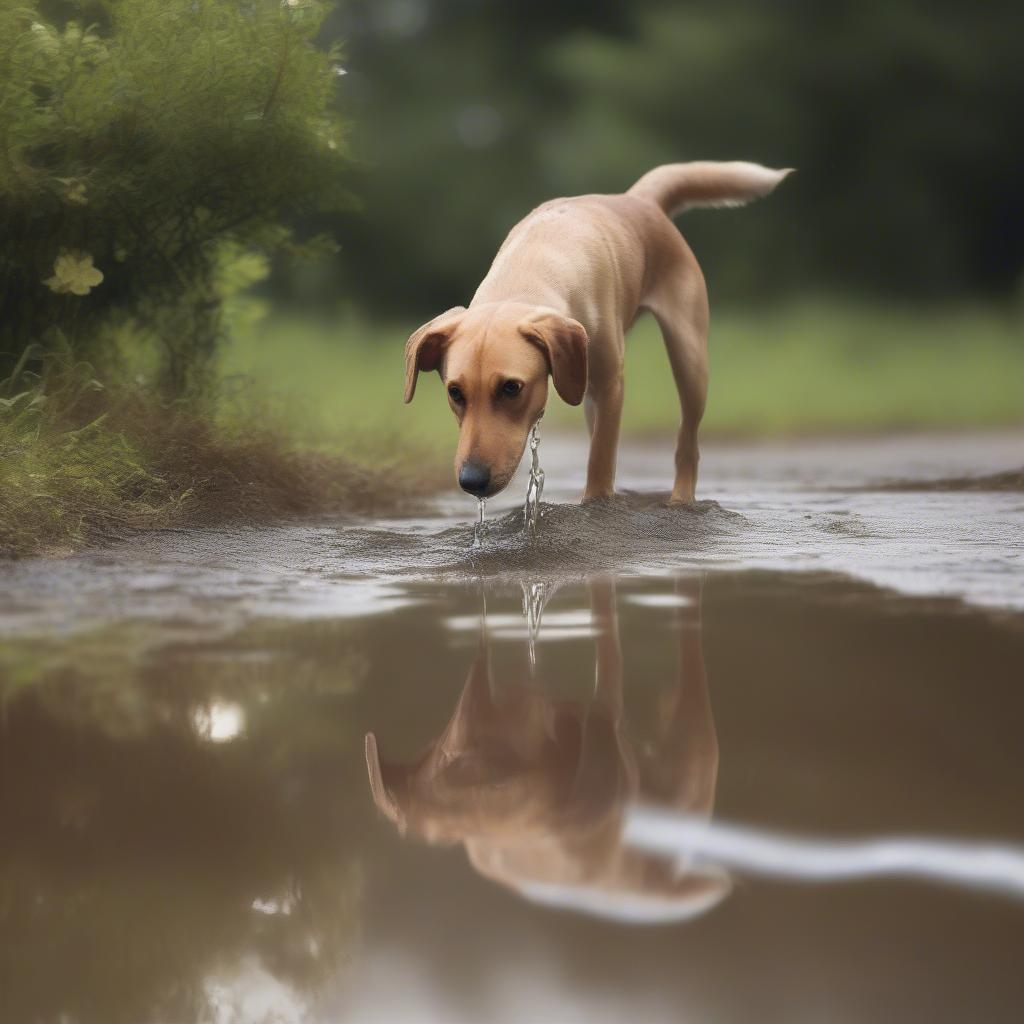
(81, 462)
(823, 367)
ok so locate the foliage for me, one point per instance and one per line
(65, 478)
(901, 117)
(147, 147)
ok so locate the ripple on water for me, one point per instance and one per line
(627, 532)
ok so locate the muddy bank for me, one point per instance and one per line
(1012, 480)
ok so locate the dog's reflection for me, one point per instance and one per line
(535, 788)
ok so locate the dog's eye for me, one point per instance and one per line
(455, 394)
(511, 388)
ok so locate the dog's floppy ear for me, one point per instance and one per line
(425, 347)
(564, 343)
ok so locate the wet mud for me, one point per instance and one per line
(1011, 480)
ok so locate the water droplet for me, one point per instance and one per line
(478, 530)
(535, 597)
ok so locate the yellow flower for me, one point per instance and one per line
(73, 272)
(46, 39)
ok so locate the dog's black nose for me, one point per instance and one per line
(474, 477)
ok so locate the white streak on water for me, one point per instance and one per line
(659, 600)
(510, 621)
(219, 721)
(994, 866)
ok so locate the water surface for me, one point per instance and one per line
(360, 771)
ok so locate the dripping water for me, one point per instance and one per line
(534, 490)
(535, 597)
(535, 486)
(478, 530)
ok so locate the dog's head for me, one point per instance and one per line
(495, 360)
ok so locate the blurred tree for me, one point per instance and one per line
(149, 149)
(900, 116)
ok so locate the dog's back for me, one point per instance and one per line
(605, 254)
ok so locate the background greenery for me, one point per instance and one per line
(807, 366)
(902, 117)
(882, 286)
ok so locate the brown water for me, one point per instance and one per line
(341, 772)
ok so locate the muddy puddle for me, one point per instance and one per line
(761, 759)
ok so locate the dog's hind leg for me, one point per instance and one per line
(680, 306)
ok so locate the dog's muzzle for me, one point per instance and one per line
(474, 478)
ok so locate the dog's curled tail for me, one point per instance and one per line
(677, 187)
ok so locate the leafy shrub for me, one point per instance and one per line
(148, 148)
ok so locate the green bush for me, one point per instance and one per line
(149, 149)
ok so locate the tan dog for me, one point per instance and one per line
(536, 789)
(568, 282)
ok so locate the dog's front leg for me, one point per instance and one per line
(604, 416)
